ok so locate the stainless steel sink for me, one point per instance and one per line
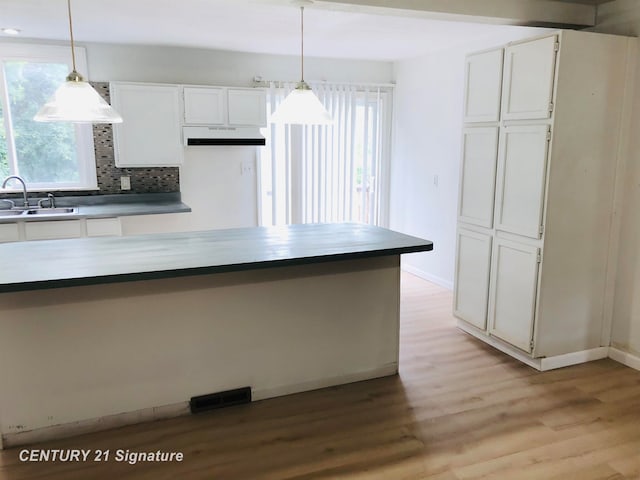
(11, 213)
(52, 211)
(44, 212)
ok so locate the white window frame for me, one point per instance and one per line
(84, 132)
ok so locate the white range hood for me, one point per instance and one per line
(207, 135)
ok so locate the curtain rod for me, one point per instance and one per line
(258, 81)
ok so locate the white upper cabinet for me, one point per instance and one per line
(521, 179)
(514, 278)
(149, 134)
(247, 107)
(483, 86)
(473, 260)
(529, 71)
(478, 175)
(233, 107)
(204, 105)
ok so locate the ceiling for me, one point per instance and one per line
(259, 26)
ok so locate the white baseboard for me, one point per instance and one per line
(542, 364)
(573, 358)
(93, 425)
(628, 359)
(265, 393)
(427, 276)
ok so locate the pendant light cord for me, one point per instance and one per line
(302, 43)
(73, 51)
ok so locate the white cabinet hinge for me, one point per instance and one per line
(556, 46)
(541, 230)
(531, 345)
(550, 107)
(539, 258)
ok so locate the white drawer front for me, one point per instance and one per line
(103, 227)
(53, 230)
(9, 232)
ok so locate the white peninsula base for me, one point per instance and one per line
(85, 358)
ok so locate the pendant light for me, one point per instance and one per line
(75, 100)
(301, 105)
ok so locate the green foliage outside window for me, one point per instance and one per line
(46, 152)
(4, 162)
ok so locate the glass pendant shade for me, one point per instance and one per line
(302, 107)
(76, 101)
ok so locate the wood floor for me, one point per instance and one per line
(458, 410)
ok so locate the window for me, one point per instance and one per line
(335, 173)
(49, 156)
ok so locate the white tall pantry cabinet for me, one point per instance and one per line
(540, 141)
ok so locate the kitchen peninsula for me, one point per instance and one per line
(129, 328)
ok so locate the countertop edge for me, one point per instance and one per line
(206, 270)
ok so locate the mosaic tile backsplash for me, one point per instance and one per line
(143, 180)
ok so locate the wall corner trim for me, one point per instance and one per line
(628, 359)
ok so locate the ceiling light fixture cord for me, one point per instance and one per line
(301, 106)
(73, 51)
(302, 43)
(75, 100)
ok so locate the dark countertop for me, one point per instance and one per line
(108, 206)
(88, 261)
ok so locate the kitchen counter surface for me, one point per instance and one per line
(87, 261)
(109, 206)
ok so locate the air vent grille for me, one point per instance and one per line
(227, 398)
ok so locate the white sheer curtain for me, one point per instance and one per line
(336, 173)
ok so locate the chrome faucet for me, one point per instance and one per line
(24, 187)
(49, 198)
(9, 201)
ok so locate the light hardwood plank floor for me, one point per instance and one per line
(458, 410)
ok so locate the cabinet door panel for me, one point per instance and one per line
(529, 70)
(478, 176)
(473, 259)
(514, 278)
(204, 105)
(103, 227)
(247, 107)
(483, 86)
(150, 132)
(521, 179)
(53, 230)
(9, 232)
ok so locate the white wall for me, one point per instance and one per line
(216, 67)
(425, 161)
(623, 17)
(211, 181)
(213, 185)
(427, 122)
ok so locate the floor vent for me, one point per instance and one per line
(211, 401)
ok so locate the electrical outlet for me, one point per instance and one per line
(125, 183)
(246, 168)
